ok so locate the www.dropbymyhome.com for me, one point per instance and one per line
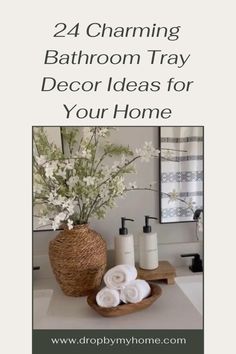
(109, 341)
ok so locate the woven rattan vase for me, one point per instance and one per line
(78, 258)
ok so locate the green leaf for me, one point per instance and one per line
(115, 149)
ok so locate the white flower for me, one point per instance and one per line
(70, 205)
(89, 180)
(50, 168)
(56, 199)
(104, 192)
(147, 152)
(73, 180)
(106, 170)
(168, 154)
(70, 185)
(38, 188)
(51, 197)
(190, 203)
(58, 219)
(44, 221)
(70, 224)
(41, 159)
(123, 160)
(70, 165)
(55, 224)
(156, 152)
(59, 200)
(173, 196)
(86, 154)
(132, 185)
(119, 185)
(61, 215)
(61, 173)
(102, 132)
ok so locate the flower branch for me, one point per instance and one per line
(85, 182)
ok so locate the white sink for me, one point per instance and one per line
(41, 301)
(192, 287)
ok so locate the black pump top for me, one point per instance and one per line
(147, 228)
(123, 230)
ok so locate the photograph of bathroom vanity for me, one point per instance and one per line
(105, 197)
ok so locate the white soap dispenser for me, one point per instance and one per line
(124, 245)
(148, 247)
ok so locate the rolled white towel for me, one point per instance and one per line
(108, 297)
(119, 276)
(135, 291)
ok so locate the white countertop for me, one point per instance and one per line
(173, 310)
(184, 271)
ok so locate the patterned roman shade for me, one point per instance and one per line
(181, 172)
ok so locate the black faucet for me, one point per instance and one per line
(196, 262)
(36, 267)
(197, 214)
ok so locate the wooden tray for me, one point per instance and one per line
(165, 271)
(125, 309)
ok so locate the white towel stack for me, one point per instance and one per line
(108, 297)
(122, 285)
(119, 276)
(135, 291)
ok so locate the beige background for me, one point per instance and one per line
(209, 28)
